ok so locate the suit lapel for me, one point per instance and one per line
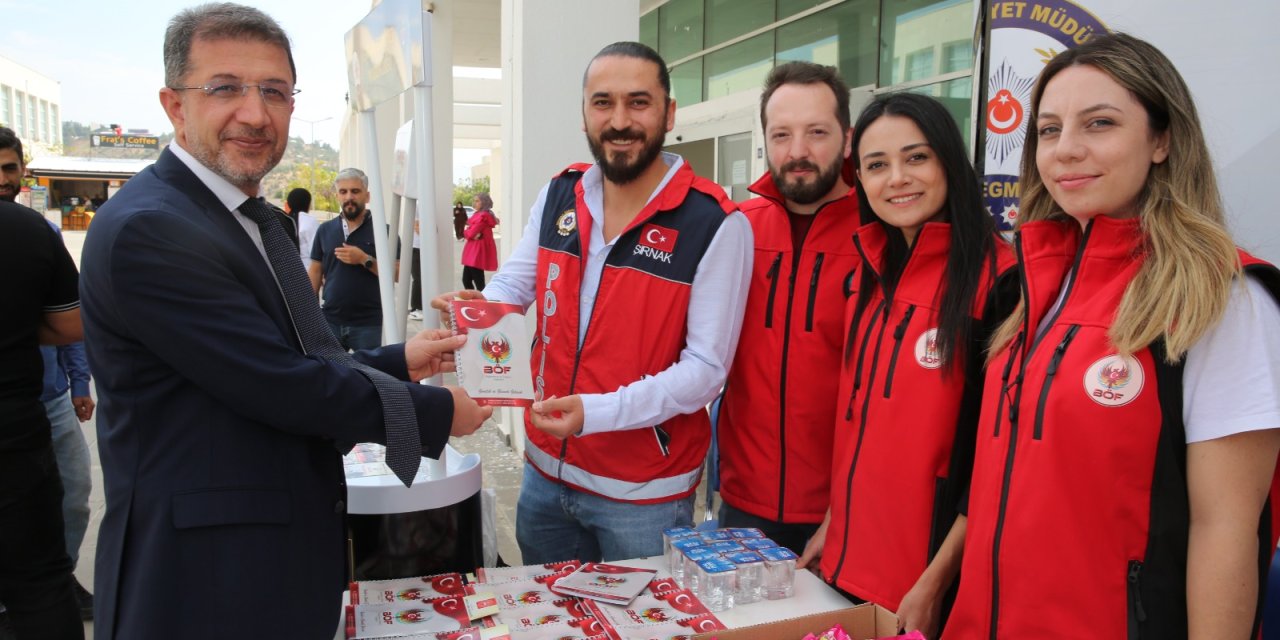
(244, 259)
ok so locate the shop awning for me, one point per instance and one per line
(63, 167)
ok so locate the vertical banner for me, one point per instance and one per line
(1025, 35)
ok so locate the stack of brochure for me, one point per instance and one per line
(610, 583)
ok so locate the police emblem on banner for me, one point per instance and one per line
(1025, 35)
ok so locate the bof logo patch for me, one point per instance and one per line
(927, 350)
(1114, 381)
(567, 222)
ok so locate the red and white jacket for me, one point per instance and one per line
(637, 329)
(904, 436)
(779, 406)
(1078, 511)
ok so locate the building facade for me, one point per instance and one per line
(31, 105)
(720, 51)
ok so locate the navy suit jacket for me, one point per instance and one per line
(224, 485)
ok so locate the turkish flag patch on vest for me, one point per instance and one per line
(660, 238)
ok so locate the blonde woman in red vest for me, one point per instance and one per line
(1129, 428)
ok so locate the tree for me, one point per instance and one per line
(465, 190)
(72, 129)
(312, 167)
(318, 179)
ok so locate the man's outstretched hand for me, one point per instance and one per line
(431, 352)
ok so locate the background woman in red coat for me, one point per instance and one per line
(480, 254)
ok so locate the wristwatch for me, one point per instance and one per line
(368, 263)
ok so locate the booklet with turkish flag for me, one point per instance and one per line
(610, 583)
(493, 366)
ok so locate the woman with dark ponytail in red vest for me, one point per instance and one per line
(1131, 417)
(933, 281)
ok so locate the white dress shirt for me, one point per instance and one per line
(228, 194)
(306, 235)
(717, 300)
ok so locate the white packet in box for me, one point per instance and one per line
(408, 589)
(578, 629)
(495, 575)
(382, 620)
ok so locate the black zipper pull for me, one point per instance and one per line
(1050, 373)
(1060, 350)
(1004, 384)
(1017, 400)
(1135, 589)
(772, 277)
(773, 269)
(901, 329)
(813, 292)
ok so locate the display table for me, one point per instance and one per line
(812, 596)
(433, 526)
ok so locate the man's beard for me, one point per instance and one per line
(352, 210)
(617, 169)
(219, 163)
(10, 196)
(806, 192)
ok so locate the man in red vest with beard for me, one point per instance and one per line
(779, 410)
(639, 270)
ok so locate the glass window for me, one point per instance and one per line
(649, 29)
(733, 171)
(57, 124)
(957, 56)
(842, 36)
(44, 120)
(31, 117)
(686, 82)
(20, 115)
(4, 105)
(728, 19)
(739, 67)
(919, 65)
(679, 29)
(957, 95)
(913, 26)
(788, 8)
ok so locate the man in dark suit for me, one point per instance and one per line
(219, 431)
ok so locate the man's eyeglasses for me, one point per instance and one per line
(273, 95)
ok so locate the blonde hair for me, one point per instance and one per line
(1181, 290)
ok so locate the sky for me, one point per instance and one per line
(108, 57)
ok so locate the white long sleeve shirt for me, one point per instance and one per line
(717, 300)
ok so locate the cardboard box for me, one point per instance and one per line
(863, 622)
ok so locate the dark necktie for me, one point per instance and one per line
(404, 447)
